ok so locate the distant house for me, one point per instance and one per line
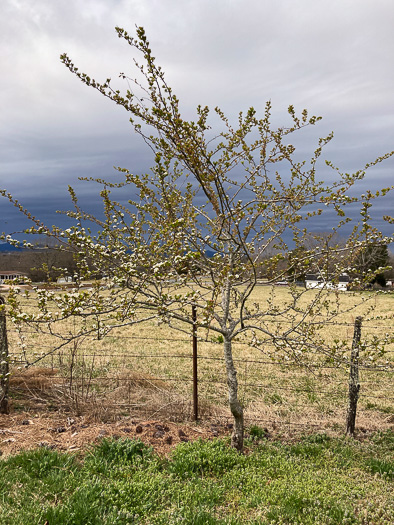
(10, 275)
(65, 279)
(317, 281)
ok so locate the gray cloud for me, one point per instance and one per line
(331, 56)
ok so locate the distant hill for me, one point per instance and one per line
(6, 248)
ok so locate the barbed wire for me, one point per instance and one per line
(166, 379)
(292, 364)
(276, 322)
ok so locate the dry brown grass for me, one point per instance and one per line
(104, 398)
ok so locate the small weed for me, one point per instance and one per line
(273, 399)
(382, 467)
(384, 438)
(318, 438)
(306, 385)
(41, 463)
(203, 458)
(257, 433)
(118, 453)
(373, 406)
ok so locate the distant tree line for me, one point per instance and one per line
(43, 264)
(48, 263)
(297, 263)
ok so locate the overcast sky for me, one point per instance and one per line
(334, 57)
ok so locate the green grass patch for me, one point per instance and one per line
(385, 409)
(318, 480)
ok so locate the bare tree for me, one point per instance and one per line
(370, 263)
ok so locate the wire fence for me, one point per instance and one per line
(161, 376)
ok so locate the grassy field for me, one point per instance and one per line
(148, 368)
(316, 480)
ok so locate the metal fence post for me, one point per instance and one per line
(195, 378)
(354, 384)
(4, 361)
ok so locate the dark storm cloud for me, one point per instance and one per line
(333, 57)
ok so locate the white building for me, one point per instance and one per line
(11, 275)
(65, 279)
(317, 281)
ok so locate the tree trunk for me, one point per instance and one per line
(237, 438)
(4, 363)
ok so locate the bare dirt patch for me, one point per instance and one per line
(76, 433)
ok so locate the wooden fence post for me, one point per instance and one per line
(4, 361)
(354, 384)
(195, 378)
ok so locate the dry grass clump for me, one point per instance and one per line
(150, 398)
(141, 381)
(34, 379)
(104, 399)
